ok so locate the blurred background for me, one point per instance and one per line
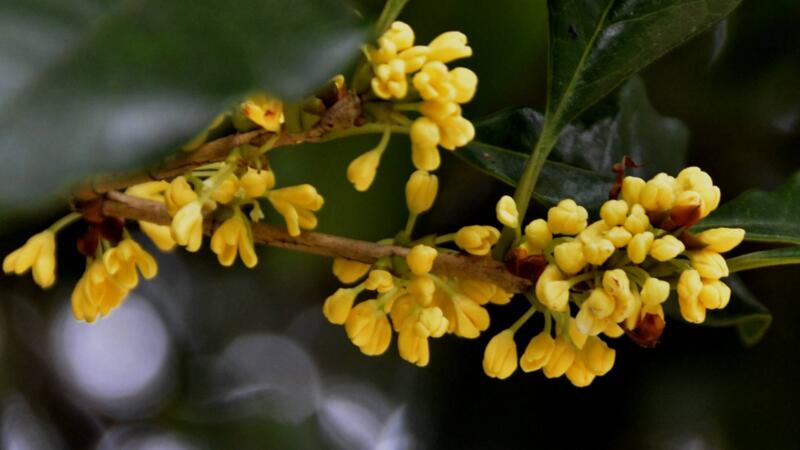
(205, 358)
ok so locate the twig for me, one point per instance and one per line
(484, 268)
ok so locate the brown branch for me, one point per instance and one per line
(126, 207)
(343, 114)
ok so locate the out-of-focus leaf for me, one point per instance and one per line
(766, 258)
(595, 45)
(584, 155)
(91, 86)
(744, 311)
(766, 216)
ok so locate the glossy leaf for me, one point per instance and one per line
(765, 258)
(597, 44)
(766, 216)
(580, 166)
(98, 86)
(744, 311)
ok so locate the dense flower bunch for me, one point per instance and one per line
(418, 76)
(229, 193)
(612, 276)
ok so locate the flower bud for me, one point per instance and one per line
(449, 46)
(666, 248)
(379, 280)
(715, 294)
(413, 348)
(619, 236)
(256, 182)
(721, 240)
(639, 246)
(338, 305)
(368, 328)
(654, 291)
(631, 189)
(614, 212)
(570, 257)
(390, 80)
(432, 322)
(500, 357)
(399, 36)
(598, 251)
(556, 295)
(689, 287)
(421, 191)
(477, 239)
(349, 271)
(597, 356)
(420, 259)
(538, 352)
(637, 221)
(550, 273)
(538, 234)
(465, 83)
(39, 255)
(567, 218)
(361, 171)
(658, 194)
(578, 374)
(561, 358)
(506, 210)
(709, 264)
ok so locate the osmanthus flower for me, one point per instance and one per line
(264, 110)
(159, 234)
(297, 205)
(123, 261)
(232, 237)
(97, 293)
(37, 255)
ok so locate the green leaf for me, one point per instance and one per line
(765, 216)
(580, 166)
(744, 311)
(597, 44)
(97, 86)
(766, 258)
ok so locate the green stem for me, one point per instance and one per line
(521, 321)
(412, 220)
(525, 187)
(370, 128)
(391, 10)
(65, 221)
(444, 238)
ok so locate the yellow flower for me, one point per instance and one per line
(619, 236)
(578, 374)
(598, 250)
(433, 82)
(96, 294)
(431, 323)
(349, 271)
(297, 205)
(614, 212)
(637, 221)
(178, 194)
(187, 226)
(421, 191)
(694, 179)
(590, 320)
(538, 235)
(477, 290)
(255, 182)
(338, 305)
(500, 357)
(122, 261)
(449, 46)
(422, 289)
(361, 171)
(632, 189)
(470, 318)
(567, 218)
(658, 193)
(575, 335)
(225, 190)
(597, 356)
(561, 358)
(689, 287)
(454, 130)
(234, 234)
(569, 257)
(477, 239)
(159, 234)
(390, 79)
(554, 296)
(379, 280)
(639, 246)
(506, 211)
(722, 240)
(715, 294)
(404, 312)
(709, 264)
(465, 83)
(654, 291)
(666, 248)
(413, 348)
(38, 254)
(537, 353)
(420, 259)
(368, 328)
(265, 111)
(425, 137)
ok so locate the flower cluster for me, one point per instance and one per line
(418, 75)
(612, 276)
